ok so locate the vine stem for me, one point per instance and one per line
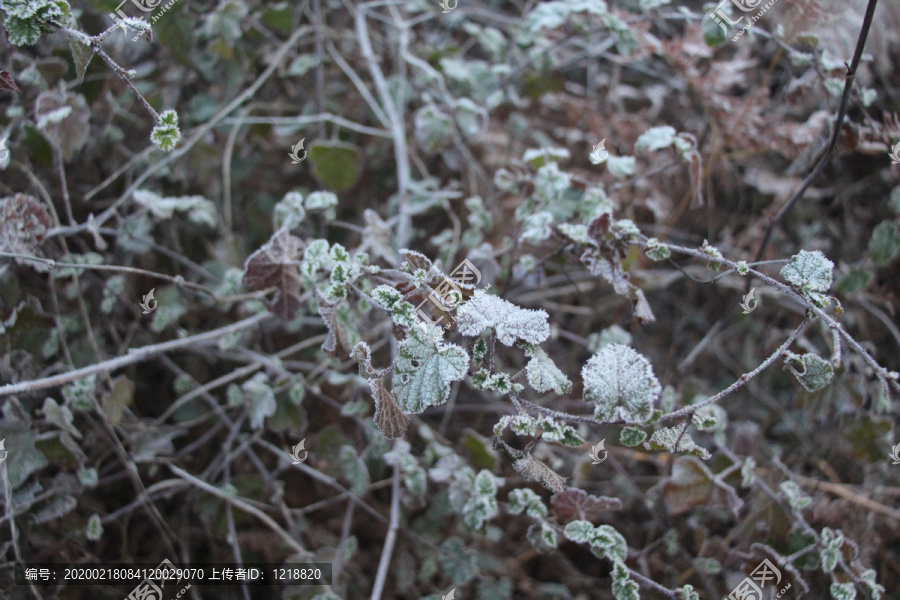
(134, 355)
(391, 537)
(742, 380)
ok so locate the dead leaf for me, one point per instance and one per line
(275, 265)
(574, 504)
(115, 401)
(692, 484)
(337, 343)
(7, 83)
(534, 470)
(416, 260)
(24, 222)
(388, 417)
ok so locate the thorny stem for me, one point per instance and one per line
(742, 380)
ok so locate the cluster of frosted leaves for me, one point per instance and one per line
(257, 396)
(509, 322)
(797, 499)
(552, 429)
(414, 477)
(482, 505)
(812, 273)
(543, 374)
(425, 367)
(26, 20)
(200, 211)
(524, 499)
(621, 385)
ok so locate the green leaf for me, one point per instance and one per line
(885, 243)
(23, 458)
(524, 499)
(289, 211)
(688, 593)
(843, 591)
(621, 384)
(335, 164)
(830, 548)
(624, 588)
(81, 56)
(557, 431)
(810, 271)
(632, 436)
(656, 251)
(166, 133)
(816, 374)
(94, 530)
(606, 542)
(425, 367)
(796, 498)
(580, 532)
(665, 438)
(542, 536)
(354, 469)
(259, 398)
(620, 167)
(433, 129)
(458, 563)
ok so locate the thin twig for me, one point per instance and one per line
(391, 537)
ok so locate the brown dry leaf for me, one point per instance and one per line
(337, 343)
(388, 417)
(7, 83)
(65, 119)
(534, 470)
(24, 222)
(416, 260)
(275, 265)
(574, 504)
(692, 484)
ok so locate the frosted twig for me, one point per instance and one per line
(391, 537)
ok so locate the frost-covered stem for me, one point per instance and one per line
(243, 505)
(401, 154)
(10, 516)
(742, 380)
(388, 549)
(652, 584)
(882, 373)
(134, 355)
(560, 415)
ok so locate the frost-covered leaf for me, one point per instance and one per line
(94, 529)
(612, 272)
(557, 431)
(415, 261)
(425, 368)
(796, 498)
(81, 393)
(388, 417)
(524, 499)
(433, 129)
(520, 425)
(166, 133)
(655, 138)
(542, 536)
(830, 548)
(199, 210)
(64, 118)
(580, 532)
(632, 436)
(578, 504)
(538, 157)
(870, 578)
(500, 383)
(687, 592)
(479, 510)
(621, 385)
(543, 374)
(23, 457)
(665, 438)
(275, 265)
(534, 470)
(537, 228)
(656, 251)
(458, 563)
(508, 320)
(843, 591)
(289, 211)
(354, 469)
(624, 588)
(24, 223)
(322, 201)
(884, 245)
(611, 335)
(810, 271)
(748, 472)
(816, 374)
(55, 508)
(606, 542)
(259, 398)
(60, 416)
(620, 167)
